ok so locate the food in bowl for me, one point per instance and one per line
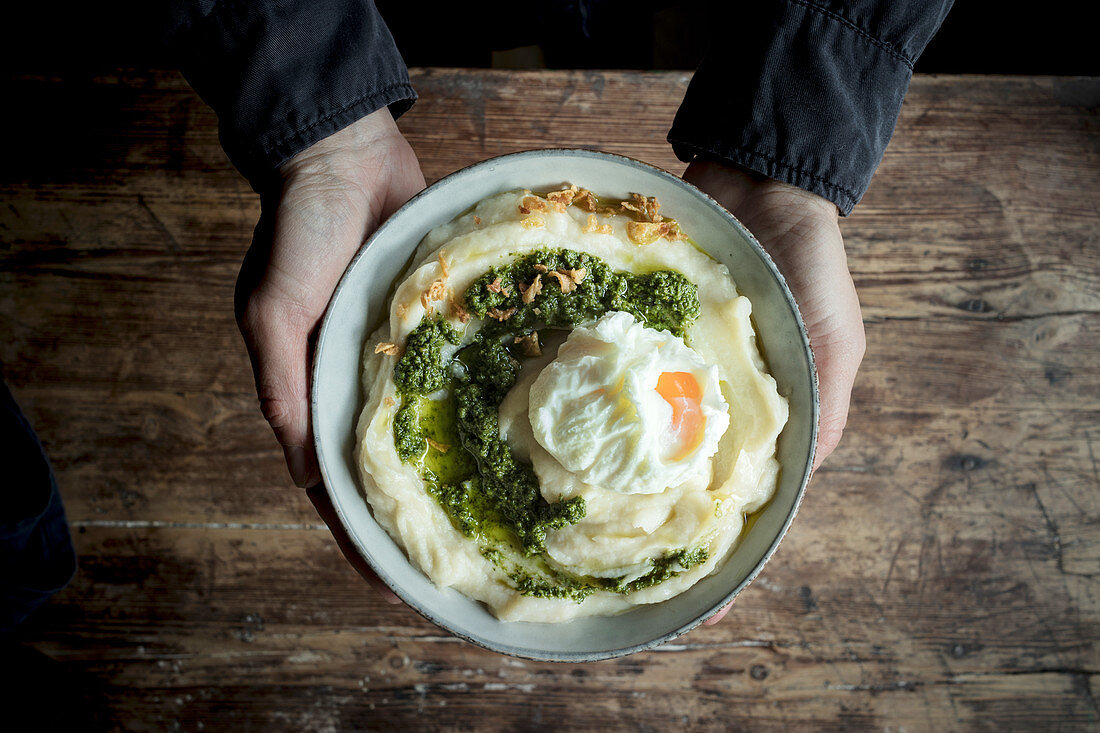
(566, 411)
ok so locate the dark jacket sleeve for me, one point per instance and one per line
(282, 75)
(805, 92)
(36, 551)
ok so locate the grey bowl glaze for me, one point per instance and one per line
(357, 307)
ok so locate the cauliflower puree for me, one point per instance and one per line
(566, 412)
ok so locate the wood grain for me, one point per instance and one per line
(942, 573)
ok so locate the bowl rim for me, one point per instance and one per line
(582, 656)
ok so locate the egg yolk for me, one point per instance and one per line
(682, 392)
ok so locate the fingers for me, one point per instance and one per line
(333, 197)
(816, 269)
(819, 279)
(801, 232)
(719, 616)
(276, 333)
(823, 287)
(321, 502)
(284, 288)
(838, 352)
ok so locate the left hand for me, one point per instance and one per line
(334, 195)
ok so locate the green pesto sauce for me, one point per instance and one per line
(546, 583)
(420, 371)
(664, 568)
(539, 584)
(664, 300)
(408, 437)
(508, 483)
(488, 493)
(437, 420)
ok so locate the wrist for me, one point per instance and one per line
(737, 188)
(345, 152)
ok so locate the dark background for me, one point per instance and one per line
(977, 37)
(77, 41)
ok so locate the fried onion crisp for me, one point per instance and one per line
(436, 291)
(530, 344)
(670, 230)
(388, 348)
(646, 206)
(592, 226)
(565, 280)
(531, 203)
(495, 287)
(643, 232)
(533, 289)
(389, 401)
(441, 447)
(578, 274)
(585, 199)
(477, 220)
(562, 199)
(534, 221)
(648, 232)
(498, 314)
(541, 268)
(459, 311)
(443, 263)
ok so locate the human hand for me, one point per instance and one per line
(801, 232)
(333, 196)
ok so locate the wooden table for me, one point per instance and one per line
(943, 571)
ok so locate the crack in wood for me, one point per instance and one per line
(160, 524)
(998, 318)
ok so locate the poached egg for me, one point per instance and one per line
(627, 408)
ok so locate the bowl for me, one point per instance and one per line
(361, 299)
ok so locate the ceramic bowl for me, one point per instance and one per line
(358, 305)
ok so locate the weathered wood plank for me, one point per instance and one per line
(219, 626)
(942, 573)
(984, 205)
(482, 702)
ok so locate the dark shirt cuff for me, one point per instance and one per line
(37, 558)
(799, 94)
(283, 75)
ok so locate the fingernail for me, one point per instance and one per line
(295, 456)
